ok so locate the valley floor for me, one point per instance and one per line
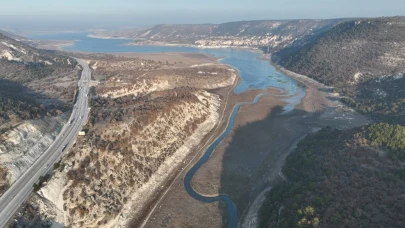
(246, 163)
(62, 200)
(250, 159)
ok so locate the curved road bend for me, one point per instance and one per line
(20, 189)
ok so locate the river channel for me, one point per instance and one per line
(254, 73)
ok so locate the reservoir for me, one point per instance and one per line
(254, 73)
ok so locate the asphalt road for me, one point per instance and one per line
(20, 190)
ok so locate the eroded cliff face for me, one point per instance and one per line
(36, 91)
(24, 144)
(145, 119)
(130, 150)
(201, 77)
(270, 41)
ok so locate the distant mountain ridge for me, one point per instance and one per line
(262, 33)
(238, 28)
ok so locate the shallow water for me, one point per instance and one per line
(255, 74)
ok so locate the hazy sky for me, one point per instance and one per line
(84, 14)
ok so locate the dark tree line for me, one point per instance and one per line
(382, 99)
(345, 177)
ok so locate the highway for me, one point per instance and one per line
(20, 190)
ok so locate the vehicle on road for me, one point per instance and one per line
(20, 189)
(64, 147)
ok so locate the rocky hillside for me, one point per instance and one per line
(14, 53)
(121, 76)
(271, 34)
(21, 146)
(34, 83)
(203, 77)
(36, 88)
(351, 52)
(132, 145)
(146, 118)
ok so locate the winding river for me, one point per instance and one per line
(230, 206)
(254, 73)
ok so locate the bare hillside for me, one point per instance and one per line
(34, 83)
(36, 91)
(146, 117)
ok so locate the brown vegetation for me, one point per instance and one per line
(128, 141)
(119, 76)
(33, 83)
(132, 134)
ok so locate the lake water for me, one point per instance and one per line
(255, 74)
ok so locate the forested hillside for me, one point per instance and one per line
(352, 178)
(366, 48)
(348, 178)
(382, 98)
(363, 59)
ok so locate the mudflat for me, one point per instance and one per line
(177, 208)
(249, 160)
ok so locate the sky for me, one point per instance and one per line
(107, 14)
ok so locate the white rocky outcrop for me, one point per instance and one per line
(155, 182)
(22, 145)
(9, 56)
(245, 41)
(142, 87)
(179, 117)
(52, 205)
(19, 49)
(146, 85)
